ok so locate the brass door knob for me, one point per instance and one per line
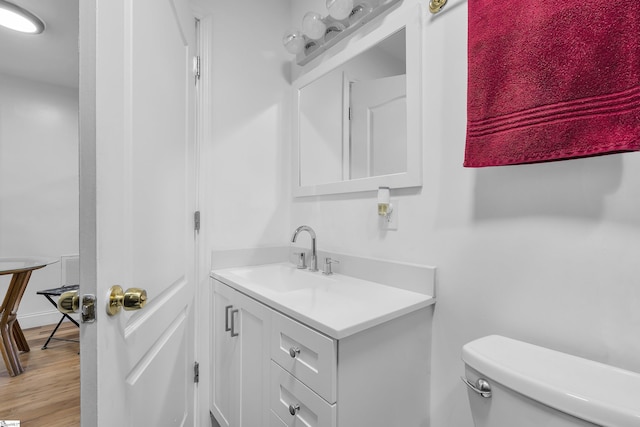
(131, 299)
(69, 302)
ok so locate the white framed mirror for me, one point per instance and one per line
(357, 115)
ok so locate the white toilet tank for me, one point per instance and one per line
(532, 386)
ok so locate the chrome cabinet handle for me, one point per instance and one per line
(293, 409)
(482, 387)
(294, 352)
(233, 323)
(226, 318)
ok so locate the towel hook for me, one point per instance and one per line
(436, 6)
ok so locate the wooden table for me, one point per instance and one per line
(13, 339)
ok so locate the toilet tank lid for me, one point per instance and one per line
(592, 391)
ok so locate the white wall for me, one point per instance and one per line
(545, 253)
(38, 183)
(249, 150)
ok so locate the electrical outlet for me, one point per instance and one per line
(390, 222)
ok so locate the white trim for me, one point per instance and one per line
(88, 239)
(42, 318)
(203, 13)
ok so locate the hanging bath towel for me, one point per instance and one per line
(552, 80)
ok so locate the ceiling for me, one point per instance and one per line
(50, 57)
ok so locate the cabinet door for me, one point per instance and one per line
(240, 366)
(225, 366)
(254, 336)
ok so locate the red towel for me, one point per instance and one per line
(552, 80)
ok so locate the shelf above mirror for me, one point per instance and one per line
(314, 48)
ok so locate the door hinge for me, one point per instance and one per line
(196, 67)
(196, 372)
(196, 220)
(349, 113)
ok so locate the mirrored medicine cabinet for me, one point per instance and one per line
(356, 118)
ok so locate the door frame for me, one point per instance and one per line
(87, 204)
(203, 12)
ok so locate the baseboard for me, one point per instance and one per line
(34, 320)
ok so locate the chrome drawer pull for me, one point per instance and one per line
(482, 387)
(294, 352)
(233, 323)
(226, 318)
(293, 409)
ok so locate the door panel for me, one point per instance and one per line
(167, 360)
(378, 119)
(137, 195)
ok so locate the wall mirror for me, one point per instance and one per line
(357, 117)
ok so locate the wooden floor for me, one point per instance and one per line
(48, 392)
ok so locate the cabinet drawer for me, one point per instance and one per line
(275, 421)
(308, 355)
(290, 395)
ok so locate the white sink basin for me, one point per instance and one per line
(280, 278)
(336, 305)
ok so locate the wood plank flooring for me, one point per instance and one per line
(48, 392)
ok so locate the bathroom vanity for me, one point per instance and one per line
(296, 348)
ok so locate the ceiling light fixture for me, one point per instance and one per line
(19, 19)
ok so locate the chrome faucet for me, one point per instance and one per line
(313, 266)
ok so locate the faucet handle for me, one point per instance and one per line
(301, 260)
(326, 268)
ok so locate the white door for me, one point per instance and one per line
(137, 204)
(378, 126)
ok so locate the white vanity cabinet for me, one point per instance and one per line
(240, 331)
(378, 377)
(296, 376)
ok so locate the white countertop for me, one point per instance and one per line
(335, 305)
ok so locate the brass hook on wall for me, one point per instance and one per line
(436, 6)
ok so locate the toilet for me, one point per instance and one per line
(515, 384)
